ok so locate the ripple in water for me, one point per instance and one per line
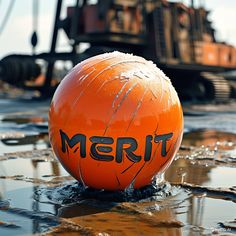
(75, 192)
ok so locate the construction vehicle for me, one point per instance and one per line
(178, 38)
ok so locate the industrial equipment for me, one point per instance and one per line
(178, 38)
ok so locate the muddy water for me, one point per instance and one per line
(197, 196)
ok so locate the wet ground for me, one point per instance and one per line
(197, 196)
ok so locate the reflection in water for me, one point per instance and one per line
(205, 208)
(208, 137)
(196, 211)
(22, 207)
(36, 192)
(23, 120)
(186, 171)
(169, 211)
(119, 223)
(23, 132)
(27, 140)
(36, 226)
(24, 142)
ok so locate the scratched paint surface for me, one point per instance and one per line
(37, 195)
(93, 101)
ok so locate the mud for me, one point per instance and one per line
(196, 197)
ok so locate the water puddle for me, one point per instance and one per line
(22, 127)
(220, 117)
(199, 197)
(38, 196)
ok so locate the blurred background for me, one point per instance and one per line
(15, 34)
(192, 41)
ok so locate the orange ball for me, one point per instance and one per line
(115, 120)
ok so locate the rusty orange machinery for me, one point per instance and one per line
(215, 54)
(169, 32)
(121, 17)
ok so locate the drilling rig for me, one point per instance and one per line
(180, 39)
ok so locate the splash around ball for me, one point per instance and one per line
(115, 120)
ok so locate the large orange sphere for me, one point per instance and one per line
(115, 120)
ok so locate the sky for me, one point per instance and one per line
(15, 38)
